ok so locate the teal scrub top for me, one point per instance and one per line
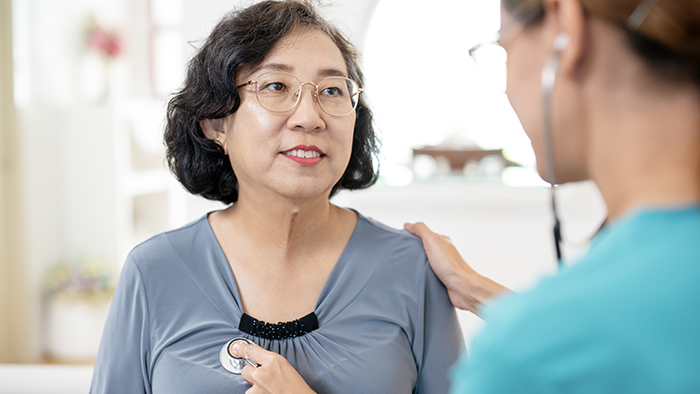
(624, 319)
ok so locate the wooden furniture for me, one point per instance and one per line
(458, 158)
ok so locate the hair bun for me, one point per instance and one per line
(668, 35)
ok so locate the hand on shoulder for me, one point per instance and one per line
(467, 288)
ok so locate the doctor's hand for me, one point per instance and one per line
(466, 288)
(274, 374)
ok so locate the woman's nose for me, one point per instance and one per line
(308, 113)
(313, 89)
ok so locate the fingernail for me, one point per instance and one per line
(235, 347)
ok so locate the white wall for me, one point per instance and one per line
(352, 16)
(66, 143)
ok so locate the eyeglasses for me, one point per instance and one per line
(490, 59)
(281, 92)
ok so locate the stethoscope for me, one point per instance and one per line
(232, 363)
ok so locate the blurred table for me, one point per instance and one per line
(458, 158)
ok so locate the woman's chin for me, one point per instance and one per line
(562, 176)
(305, 193)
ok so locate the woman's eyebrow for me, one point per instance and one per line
(273, 67)
(280, 67)
(332, 72)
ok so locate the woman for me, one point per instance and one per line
(271, 120)
(625, 112)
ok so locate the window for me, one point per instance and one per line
(426, 90)
(167, 52)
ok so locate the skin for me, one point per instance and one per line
(615, 121)
(283, 237)
(274, 375)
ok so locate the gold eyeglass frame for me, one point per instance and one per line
(299, 93)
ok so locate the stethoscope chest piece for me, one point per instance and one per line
(231, 363)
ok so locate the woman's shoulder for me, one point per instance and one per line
(164, 246)
(380, 235)
(388, 247)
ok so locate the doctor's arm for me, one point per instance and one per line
(466, 288)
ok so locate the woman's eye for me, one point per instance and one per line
(274, 86)
(332, 91)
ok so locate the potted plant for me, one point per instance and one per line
(76, 298)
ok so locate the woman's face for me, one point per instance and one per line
(523, 76)
(301, 153)
(529, 48)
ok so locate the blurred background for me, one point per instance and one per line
(83, 89)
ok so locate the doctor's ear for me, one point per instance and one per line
(214, 130)
(570, 41)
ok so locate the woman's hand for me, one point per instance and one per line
(274, 374)
(466, 288)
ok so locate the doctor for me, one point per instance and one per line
(624, 111)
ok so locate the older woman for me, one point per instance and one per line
(271, 120)
(618, 83)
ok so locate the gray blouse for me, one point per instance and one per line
(386, 324)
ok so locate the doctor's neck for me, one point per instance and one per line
(644, 153)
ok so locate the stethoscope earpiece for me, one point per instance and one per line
(232, 363)
(561, 41)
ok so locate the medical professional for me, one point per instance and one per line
(607, 90)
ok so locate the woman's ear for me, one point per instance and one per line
(570, 42)
(213, 129)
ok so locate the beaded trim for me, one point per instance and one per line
(290, 329)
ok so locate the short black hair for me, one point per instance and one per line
(239, 41)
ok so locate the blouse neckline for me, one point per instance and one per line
(336, 283)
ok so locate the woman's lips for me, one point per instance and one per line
(306, 155)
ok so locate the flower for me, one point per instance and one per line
(108, 43)
(87, 280)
